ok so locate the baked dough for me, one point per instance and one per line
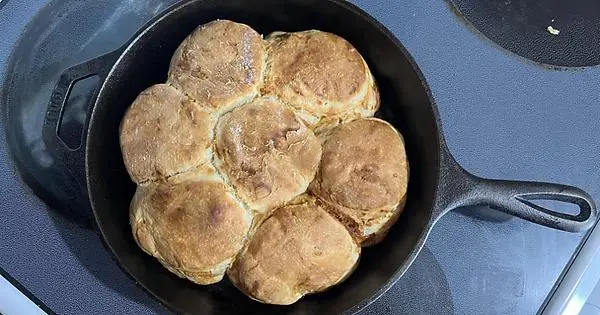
(321, 75)
(364, 175)
(192, 224)
(163, 133)
(220, 65)
(259, 158)
(299, 250)
(266, 152)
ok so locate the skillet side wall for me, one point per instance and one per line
(406, 104)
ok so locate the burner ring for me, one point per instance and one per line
(553, 32)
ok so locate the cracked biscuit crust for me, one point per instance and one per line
(191, 223)
(224, 152)
(266, 152)
(220, 65)
(163, 133)
(299, 250)
(364, 175)
(321, 75)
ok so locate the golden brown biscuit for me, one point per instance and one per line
(192, 224)
(266, 152)
(221, 64)
(321, 75)
(364, 174)
(224, 152)
(299, 250)
(163, 133)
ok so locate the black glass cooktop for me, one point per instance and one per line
(553, 32)
(503, 117)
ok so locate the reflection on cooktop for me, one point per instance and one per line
(41, 55)
(552, 32)
(423, 281)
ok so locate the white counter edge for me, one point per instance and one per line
(13, 302)
(579, 281)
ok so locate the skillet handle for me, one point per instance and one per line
(517, 198)
(73, 159)
(459, 188)
(70, 162)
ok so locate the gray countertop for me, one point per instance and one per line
(503, 117)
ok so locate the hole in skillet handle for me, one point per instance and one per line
(526, 200)
(554, 205)
(69, 152)
(459, 188)
(75, 111)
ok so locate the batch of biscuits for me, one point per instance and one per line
(259, 159)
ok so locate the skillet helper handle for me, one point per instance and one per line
(517, 198)
(73, 159)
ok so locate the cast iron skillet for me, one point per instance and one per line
(438, 184)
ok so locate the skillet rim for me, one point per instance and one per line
(355, 10)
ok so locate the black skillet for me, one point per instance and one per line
(438, 184)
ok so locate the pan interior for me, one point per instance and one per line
(405, 103)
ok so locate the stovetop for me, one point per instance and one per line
(503, 116)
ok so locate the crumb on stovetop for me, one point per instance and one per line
(552, 30)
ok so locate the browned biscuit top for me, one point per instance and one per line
(164, 133)
(300, 249)
(262, 154)
(220, 64)
(190, 223)
(318, 72)
(267, 153)
(363, 167)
